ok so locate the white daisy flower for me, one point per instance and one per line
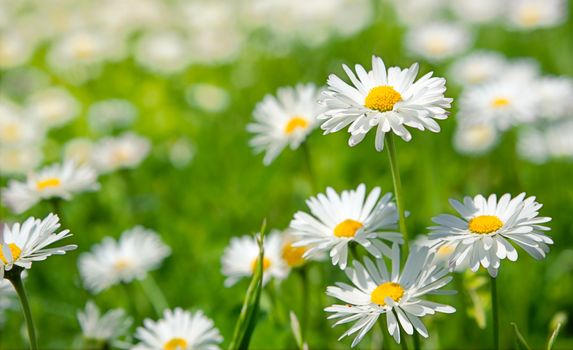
(178, 330)
(292, 254)
(502, 104)
(124, 151)
(8, 298)
(111, 262)
(19, 160)
(16, 48)
(479, 12)
(55, 181)
(15, 128)
(208, 97)
(335, 221)
(532, 14)
(555, 97)
(539, 144)
(53, 107)
(375, 291)
(438, 41)
(475, 138)
(285, 120)
(79, 150)
(22, 244)
(521, 71)
(242, 254)
(412, 12)
(487, 225)
(389, 100)
(108, 115)
(162, 52)
(478, 67)
(103, 328)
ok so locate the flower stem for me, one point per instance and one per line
(389, 140)
(385, 335)
(16, 279)
(308, 163)
(305, 299)
(403, 340)
(495, 313)
(154, 294)
(416, 337)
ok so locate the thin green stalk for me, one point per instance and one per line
(305, 298)
(15, 277)
(391, 149)
(416, 337)
(495, 313)
(403, 342)
(309, 170)
(154, 294)
(386, 344)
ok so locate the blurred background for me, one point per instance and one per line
(186, 76)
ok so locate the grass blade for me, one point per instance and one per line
(553, 336)
(520, 340)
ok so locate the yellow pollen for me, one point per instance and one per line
(14, 249)
(500, 102)
(121, 264)
(382, 98)
(50, 182)
(266, 264)
(175, 344)
(388, 289)
(485, 224)
(293, 255)
(347, 228)
(295, 123)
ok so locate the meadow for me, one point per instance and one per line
(201, 184)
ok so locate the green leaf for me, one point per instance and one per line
(248, 317)
(520, 340)
(553, 336)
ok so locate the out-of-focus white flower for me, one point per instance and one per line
(79, 150)
(208, 97)
(413, 12)
(499, 103)
(481, 11)
(163, 52)
(125, 151)
(22, 244)
(242, 254)
(55, 181)
(137, 252)
(478, 67)
(15, 49)
(181, 152)
(178, 330)
(81, 47)
(104, 328)
(538, 145)
(532, 14)
(554, 95)
(19, 83)
(284, 120)
(53, 107)
(521, 71)
(108, 115)
(438, 41)
(16, 129)
(475, 138)
(19, 160)
(7, 298)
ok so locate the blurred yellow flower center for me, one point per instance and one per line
(445, 250)
(14, 249)
(382, 98)
(293, 255)
(436, 46)
(347, 228)
(530, 16)
(388, 289)
(485, 224)
(120, 155)
(295, 123)
(266, 264)
(175, 344)
(500, 102)
(121, 264)
(11, 132)
(47, 183)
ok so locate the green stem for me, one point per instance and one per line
(385, 335)
(154, 294)
(308, 163)
(15, 277)
(389, 140)
(495, 313)
(416, 337)
(403, 342)
(305, 298)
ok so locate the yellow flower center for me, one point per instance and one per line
(485, 224)
(266, 264)
(293, 255)
(437, 46)
(120, 155)
(347, 228)
(47, 183)
(500, 102)
(445, 250)
(121, 264)
(382, 98)
(388, 289)
(295, 123)
(530, 16)
(175, 344)
(14, 249)
(11, 132)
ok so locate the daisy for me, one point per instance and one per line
(162, 52)
(16, 48)
(137, 252)
(500, 103)
(208, 97)
(178, 330)
(539, 144)
(532, 14)
(555, 97)
(241, 256)
(102, 328)
(285, 120)
(22, 244)
(375, 291)
(479, 12)
(109, 115)
(55, 181)
(7, 299)
(389, 100)
(79, 150)
(478, 67)
(124, 151)
(16, 129)
(293, 255)
(336, 221)
(53, 107)
(19, 160)
(475, 138)
(487, 225)
(438, 41)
